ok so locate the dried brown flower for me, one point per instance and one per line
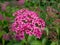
(52, 35)
(51, 12)
(57, 22)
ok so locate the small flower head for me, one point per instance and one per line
(6, 37)
(1, 17)
(28, 22)
(4, 5)
(20, 2)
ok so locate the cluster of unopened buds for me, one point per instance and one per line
(27, 22)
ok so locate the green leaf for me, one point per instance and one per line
(17, 44)
(54, 43)
(0, 23)
(52, 1)
(10, 43)
(29, 38)
(43, 15)
(36, 42)
(1, 33)
(3, 41)
(44, 41)
(47, 30)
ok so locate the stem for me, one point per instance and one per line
(57, 29)
(3, 41)
(26, 43)
(39, 3)
(26, 38)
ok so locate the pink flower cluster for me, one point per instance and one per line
(27, 22)
(20, 2)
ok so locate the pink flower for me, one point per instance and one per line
(20, 2)
(1, 17)
(6, 37)
(19, 35)
(4, 5)
(28, 22)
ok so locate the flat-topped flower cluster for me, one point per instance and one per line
(27, 22)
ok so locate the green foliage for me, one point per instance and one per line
(54, 43)
(1, 33)
(36, 42)
(44, 40)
